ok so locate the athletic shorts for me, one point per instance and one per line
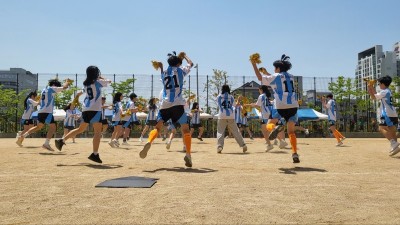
(151, 122)
(27, 122)
(176, 114)
(388, 121)
(46, 118)
(196, 125)
(91, 116)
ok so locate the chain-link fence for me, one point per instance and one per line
(308, 88)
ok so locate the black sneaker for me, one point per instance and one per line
(201, 139)
(95, 158)
(296, 158)
(275, 132)
(59, 143)
(188, 161)
(164, 138)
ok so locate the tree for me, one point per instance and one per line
(125, 87)
(214, 86)
(344, 91)
(11, 106)
(65, 97)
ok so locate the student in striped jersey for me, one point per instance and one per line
(389, 118)
(104, 120)
(71, 115)
(330, 105)
(45, 113)
(226, 118)
(172, 103)
(238, 112)
(286, 104)
(265, 107)
(195, 121)
(29, 106)
(129, 120)
(116, 120)
(245, 125)
(151, 119)
(91, 111)
(172, 129)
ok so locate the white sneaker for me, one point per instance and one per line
(125, 143)
(395, 149)
(307, 132)
(244, 148)
(343, 138)
(269, 147)
(283, 144)
(141, 139)
(111, 143)
(275, 142)
(19, 142)
(48, 147)
(116, 143)
(19, 134)
(219, 150)
(339, 144)
(169, 145)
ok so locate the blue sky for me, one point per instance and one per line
(123, 36)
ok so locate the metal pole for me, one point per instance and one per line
(76, 83)
(189, 91)
(133, 83)
(315, 93)
(208, 109)
(244, 88)
(152, 82)
(114, 83)
(197, 81)
(16, 105)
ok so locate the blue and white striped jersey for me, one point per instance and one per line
(245, 120)
(70, 117)
(92, 100)
(226, 106)
(265, 105)
(172, 80)
(152, 113)
(238, 114)
(47, 100)
(387, 108)
(195, 117)
(129, 105)
(117, 111)
(331, 108)
(30, 107)
(284, 92)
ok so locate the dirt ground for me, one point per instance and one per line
(358, 183)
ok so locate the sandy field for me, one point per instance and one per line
(358, 183)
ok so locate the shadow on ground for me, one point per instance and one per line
(182, 170)
(296, 169)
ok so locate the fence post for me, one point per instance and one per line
(76, 83)
(16, 105)
(315, 92)
(114, 83)
(152, 83)
(133, 83)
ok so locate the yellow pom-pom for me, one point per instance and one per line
(182, 55)
(156, 64)
(255, 58)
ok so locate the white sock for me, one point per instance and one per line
(47, 142)
(392, 142)
(95, 153)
